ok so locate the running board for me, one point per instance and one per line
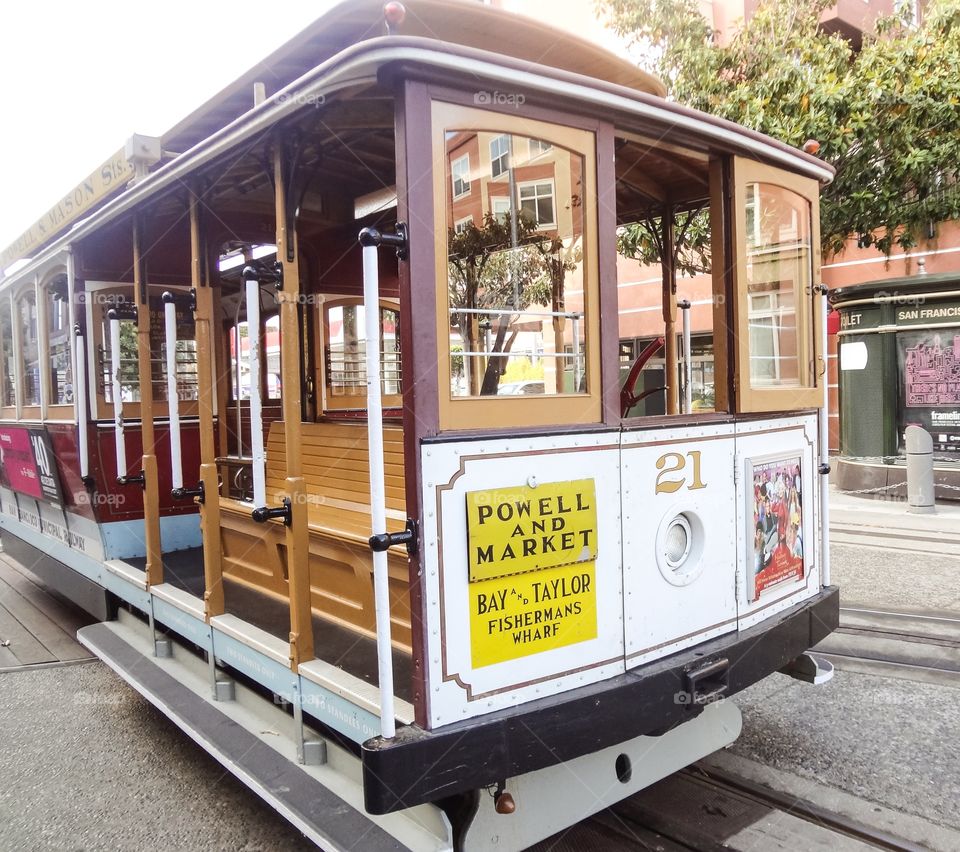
(324, 801)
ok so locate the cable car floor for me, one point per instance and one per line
(355, 653)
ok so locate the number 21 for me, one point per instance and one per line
(674, 463)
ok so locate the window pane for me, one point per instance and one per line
(30, 354)
(60, 369)
(515, 280)
(346, 361)
(779, 274)
(9, 370)
(271, 342)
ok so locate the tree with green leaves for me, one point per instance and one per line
(887, 117)
(494, 267)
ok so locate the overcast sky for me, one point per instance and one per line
(80, 77)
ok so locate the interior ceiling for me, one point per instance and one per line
(650, 177)
(345, 150)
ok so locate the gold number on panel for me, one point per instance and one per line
(674, 463)
(668, 486)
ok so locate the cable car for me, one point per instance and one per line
(389, 479)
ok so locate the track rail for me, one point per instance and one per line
(923, 646)
(706, 809)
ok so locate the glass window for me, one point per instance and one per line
(60, 385)
(460, 173)
(779, 275)
(536, 203)
(462, 224)
(9, 399)
(515, 280)
(346, 358)
(499, 155)
(538, 146)
(239, 364)
(129, 364)
(271, 345)
(29, 349)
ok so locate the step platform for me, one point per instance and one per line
(259, 742)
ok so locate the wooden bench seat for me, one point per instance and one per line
(335, 468)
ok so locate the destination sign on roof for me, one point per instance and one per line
(111, 177)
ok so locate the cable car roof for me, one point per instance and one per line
(458, 22)
(326, 58)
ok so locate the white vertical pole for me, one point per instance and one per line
(256, 408)
(117, 396)
(173, 397)
(79, 355)
(576, 356)
(80, 403)
(824, 447)
(687, 363)
(378, 507)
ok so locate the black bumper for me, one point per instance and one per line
(420, 766)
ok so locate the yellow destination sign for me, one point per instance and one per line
(106, 180)
(525, 614)
(512, 530)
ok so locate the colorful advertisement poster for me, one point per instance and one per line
(929, 363)
(777, 524)
(27, 462)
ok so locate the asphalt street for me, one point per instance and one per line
(86, 764)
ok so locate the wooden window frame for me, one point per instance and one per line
(8, 412)
(335, 404)
(52, 410)
(28, 411)
(491, 412)
(809, 394)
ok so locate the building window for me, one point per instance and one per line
(462, 224)
(536, 203)
(500, 205)
(499, 155)
(460, 172)
(538, 147)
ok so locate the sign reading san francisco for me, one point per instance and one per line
(532, 569)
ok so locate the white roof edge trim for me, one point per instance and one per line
(363, 68)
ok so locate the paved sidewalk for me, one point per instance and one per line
(849, 509)
(886, 558)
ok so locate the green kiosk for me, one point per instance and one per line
(899, 365)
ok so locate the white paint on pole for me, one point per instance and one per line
(173, 397)
(824, 450)
(117, 397)
(256, 409)
(80, 399)
(79, 355)
(378, 506)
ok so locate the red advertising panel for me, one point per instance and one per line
(26, 459)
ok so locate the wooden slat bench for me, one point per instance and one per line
(334, 457)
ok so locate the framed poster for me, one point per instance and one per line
(929, 368)
(777, 522)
